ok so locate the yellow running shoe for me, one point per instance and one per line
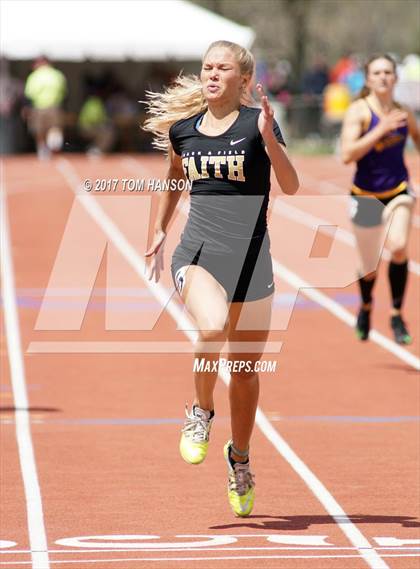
(195, 435)
(241, 484)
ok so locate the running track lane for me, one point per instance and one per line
(83, 392)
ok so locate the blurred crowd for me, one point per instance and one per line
(109, 116)
(35, 112)
(316, 104)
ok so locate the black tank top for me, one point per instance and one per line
(230, 175)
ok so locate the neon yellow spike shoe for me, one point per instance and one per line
(241, 484)
(195, 435)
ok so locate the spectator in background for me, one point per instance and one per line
(94, 123)
(342, 68)
(407, 90)
(278, 83)
(337, 94)
(355, 78)
(11, 99)
(314, 82)
(123, 111)
(316, 78)
(348, 71)
(46, 88)
(337, 99)
(261, 72)
(279, 90)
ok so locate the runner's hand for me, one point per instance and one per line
(156, 252)
(393, 120)
(265, 119)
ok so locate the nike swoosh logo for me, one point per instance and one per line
(270, 285)
(245, 506)
(233, 142)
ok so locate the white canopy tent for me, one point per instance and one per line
(112, 30)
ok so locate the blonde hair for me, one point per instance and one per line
(184, 97)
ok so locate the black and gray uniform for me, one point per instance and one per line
(226, 231)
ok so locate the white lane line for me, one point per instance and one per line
(365, 549)
(34, 512)
(221, 558)
(199, 549)
(352, 532)
(309, 220)
(127, 347)
(343, 314)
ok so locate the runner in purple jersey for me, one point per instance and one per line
(374, 134)
(382, 170)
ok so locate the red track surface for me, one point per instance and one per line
(105, 426)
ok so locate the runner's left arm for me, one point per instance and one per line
(285, 172)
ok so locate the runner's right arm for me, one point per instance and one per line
(167, 203)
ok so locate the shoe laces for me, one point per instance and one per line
(196, 428)
(241, 478)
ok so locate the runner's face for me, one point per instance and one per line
(221, 76)
(381, 76)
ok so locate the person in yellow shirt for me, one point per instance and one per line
(337, 99)
(95, 125)
(46, 88)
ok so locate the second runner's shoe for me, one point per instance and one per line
(195, 435)
(363, 324)
(401, 333)
(240, 485)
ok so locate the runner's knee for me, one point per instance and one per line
(245, 375)
(399, 255)
(398, 248)
(213, 329)
(369, 276)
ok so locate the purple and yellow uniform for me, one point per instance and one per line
(381, 174)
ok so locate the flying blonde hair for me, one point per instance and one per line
(184, 97)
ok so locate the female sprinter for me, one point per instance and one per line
(375, 130)
(222, 265)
